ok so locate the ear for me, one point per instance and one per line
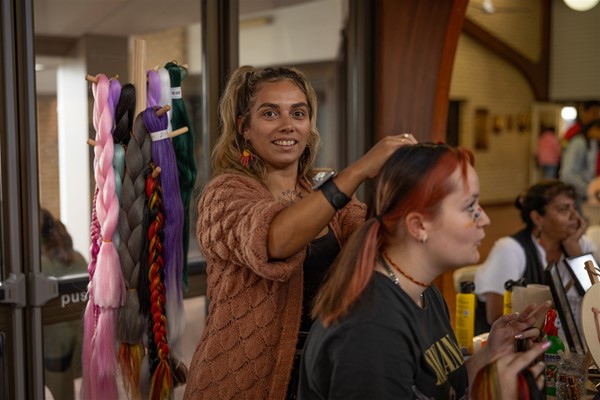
(240, 126)
(536, 217)
(416, 226)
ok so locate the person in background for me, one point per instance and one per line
(268, 235)
(588, 111)
(382, 330)
(548, 153)
(553, 230)
(62, 340)
(580, 159)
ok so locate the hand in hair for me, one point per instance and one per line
(369, 165)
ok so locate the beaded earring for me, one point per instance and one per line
(246, 156)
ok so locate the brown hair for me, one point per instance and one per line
(57, 244)
(538, 196)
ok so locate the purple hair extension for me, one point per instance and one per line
(114, 92)
(118, 163)
(163, 156)
(153, 89)
(107, 286)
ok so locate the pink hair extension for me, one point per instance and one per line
(163, 156)
(108, 288)
(91, 309)
(153, 89)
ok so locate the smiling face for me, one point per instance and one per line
(455, 232)
(278, 125)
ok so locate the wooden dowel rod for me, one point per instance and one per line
(91, 78)
(178, 132)
(91, 142)
(162, 110)
(155, 173)
(139, 74)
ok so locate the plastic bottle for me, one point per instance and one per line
(508, 288)
(465, 317)
(551, 356)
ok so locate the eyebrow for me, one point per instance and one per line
(273, 105)
(472, 197)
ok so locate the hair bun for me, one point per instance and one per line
(520, 200)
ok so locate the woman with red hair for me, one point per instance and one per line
(382, 328)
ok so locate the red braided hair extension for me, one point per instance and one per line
(161, 382)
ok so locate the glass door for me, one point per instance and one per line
(23, 290)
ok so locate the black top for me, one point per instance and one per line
(319, 256)
(386, 348)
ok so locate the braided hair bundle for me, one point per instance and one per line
(184, 152)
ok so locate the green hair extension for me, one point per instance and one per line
(184, 152)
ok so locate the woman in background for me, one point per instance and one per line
(580, 160)
(62, 340)
(383, 330)
(554, 229)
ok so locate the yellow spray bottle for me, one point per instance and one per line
(465, 317)
(508, 288)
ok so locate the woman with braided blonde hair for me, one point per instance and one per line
(268, 235)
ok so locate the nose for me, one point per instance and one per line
(483, 220)
(286, 123)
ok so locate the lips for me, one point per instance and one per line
(285, 143)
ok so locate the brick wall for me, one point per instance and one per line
(48, 154)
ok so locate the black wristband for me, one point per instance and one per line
(333, 195)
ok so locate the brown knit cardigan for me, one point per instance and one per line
(248, 345)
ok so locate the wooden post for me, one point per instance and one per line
(589, 267)
(139, 75)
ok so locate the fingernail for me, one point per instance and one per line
(519, 336)
(542, 364)
(546, 345)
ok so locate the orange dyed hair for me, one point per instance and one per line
(414, 179)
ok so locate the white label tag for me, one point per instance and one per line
(160, 135)
(176, 92)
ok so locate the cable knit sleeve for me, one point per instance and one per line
(351, 217)
(234, 214)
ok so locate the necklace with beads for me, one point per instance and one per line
(387, 260)
(394, 278)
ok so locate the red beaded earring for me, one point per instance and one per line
(245, 158)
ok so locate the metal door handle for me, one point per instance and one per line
(12, 290)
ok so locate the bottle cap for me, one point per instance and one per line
(467, 287)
